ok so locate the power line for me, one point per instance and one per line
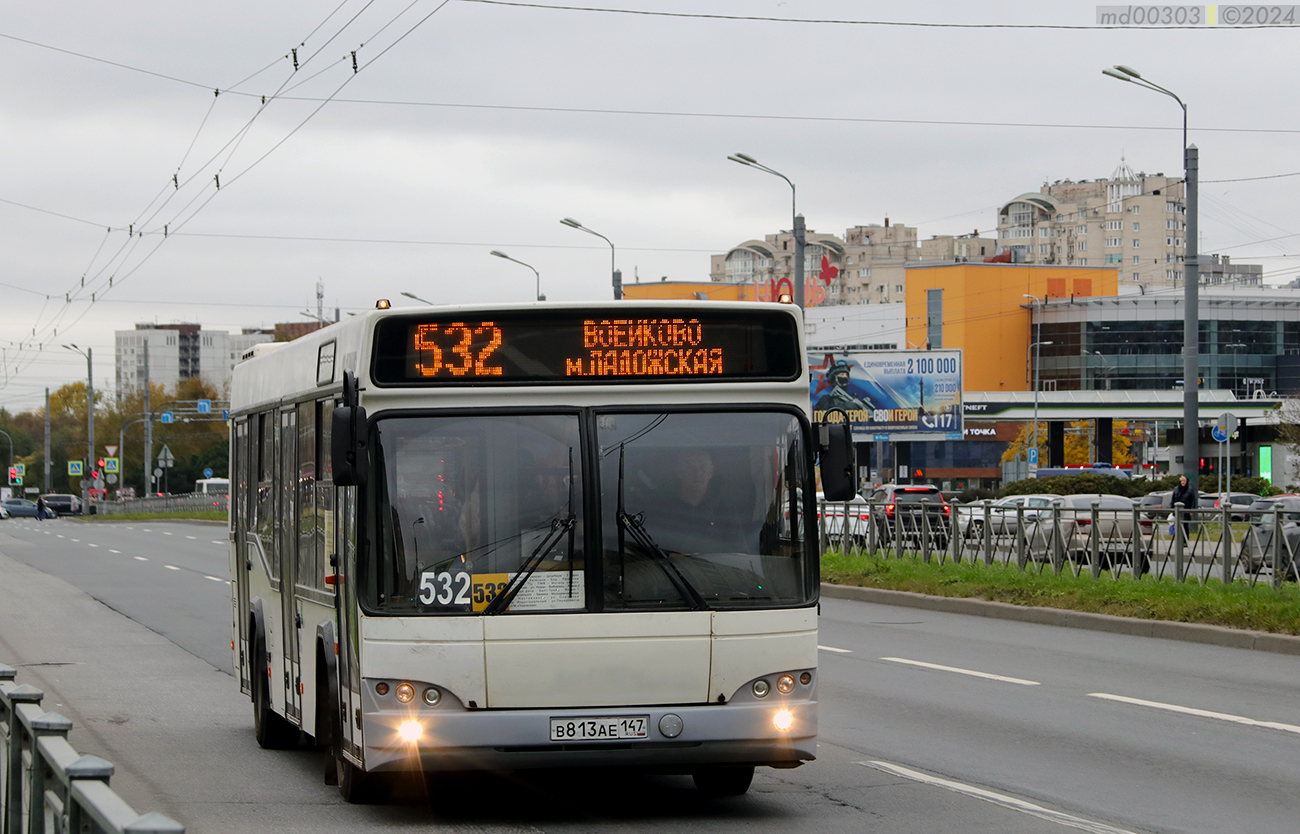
(843, 22)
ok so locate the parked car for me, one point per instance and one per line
(1003, 515)
(1257, 545)
(64, 504)
(22, 508)
(832, 516)
(911, 512)
(1155, 504)
(1236, 501)
(1075, 531)
(3, 512)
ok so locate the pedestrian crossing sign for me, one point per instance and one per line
(74, 467)
(111, 466)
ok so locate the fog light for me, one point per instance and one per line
(405, 693)
(410, 731)
(761, 688)
(381, 688)
(784, 684)
(432, 696)
(805, 678)
(783, 720)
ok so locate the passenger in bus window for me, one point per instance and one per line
(699, 518)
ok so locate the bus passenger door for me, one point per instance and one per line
(287, 530)
(245, 486)
(349, 637)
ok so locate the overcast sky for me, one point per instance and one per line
(473, 126)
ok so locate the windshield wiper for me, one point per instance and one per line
(561, 527)
(633, 524)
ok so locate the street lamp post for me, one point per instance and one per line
(1038, 333)
(1191, 283)
(1234, 347)
(1104, 364)
(615, 278)
(417, 298)
(1034, 349)
(798, 223)
(90, 423)
(540, 297)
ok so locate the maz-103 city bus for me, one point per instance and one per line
(533, 536)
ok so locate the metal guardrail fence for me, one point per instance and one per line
(1187, 545)
(167, 504)
(46, 787)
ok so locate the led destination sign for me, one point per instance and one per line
(569, 346)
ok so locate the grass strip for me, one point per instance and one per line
(1237, 605)
(194, 515)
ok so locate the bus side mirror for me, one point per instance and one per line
(839, 469)
(348, 453)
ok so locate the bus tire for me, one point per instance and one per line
(723, 781)
(271, 729)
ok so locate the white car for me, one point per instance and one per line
(1003, 514)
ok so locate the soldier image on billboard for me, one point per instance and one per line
(839, 396)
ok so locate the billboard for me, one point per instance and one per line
(890, 394)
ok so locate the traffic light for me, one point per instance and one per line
(94, 476)
(99, 463)
(14, 478)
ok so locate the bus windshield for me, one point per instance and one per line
(463, 503)
(695, 513)
(697, 510)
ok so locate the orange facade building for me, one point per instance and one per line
(982, 309)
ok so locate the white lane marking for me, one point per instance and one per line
(1201, 713)
(214, 578)
(111, 550)
(971, 672)
(91, 544)
(833, 649)
(145, 530)
(60, 535)
(191, 537)
(141, 559)
(171, 567)
(999, 799)
(165, 533)
(214, 541)
(78, 541)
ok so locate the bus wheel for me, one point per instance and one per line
(273, 732)
(723, 781)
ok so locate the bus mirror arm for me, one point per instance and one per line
(348, 453)
(836, 457)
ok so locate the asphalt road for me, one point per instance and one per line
(930, 721)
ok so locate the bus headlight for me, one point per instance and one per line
(410, 731)
(784, 685)
(783, 720)
(405, 693)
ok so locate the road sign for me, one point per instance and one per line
(205, 406)
(112, 465)
(1219, 434)
(22, 469)
(1033, 470)
(225, 414)
(112, 479)
(166, 417)
(74, 468)
(207, 473)
(112, 451)
(165, 458)
(1033, 456)
(157, 473)
(1228, 422)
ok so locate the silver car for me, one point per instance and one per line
(1070, 522)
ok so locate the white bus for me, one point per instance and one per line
(212, 486)
(533, 536)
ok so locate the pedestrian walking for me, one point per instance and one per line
(41, 509)
(1185, 495)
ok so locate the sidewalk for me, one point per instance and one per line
(1164, 629)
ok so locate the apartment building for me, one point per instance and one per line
(178, 352)
(1133, 222)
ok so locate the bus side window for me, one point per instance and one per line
(266, 491)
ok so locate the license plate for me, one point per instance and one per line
(600, 728)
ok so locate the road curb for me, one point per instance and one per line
(1261, 641)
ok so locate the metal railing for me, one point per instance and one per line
(194, 502)
(1197, 545)
(47, 787)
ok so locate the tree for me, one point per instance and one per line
(1077, 449)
